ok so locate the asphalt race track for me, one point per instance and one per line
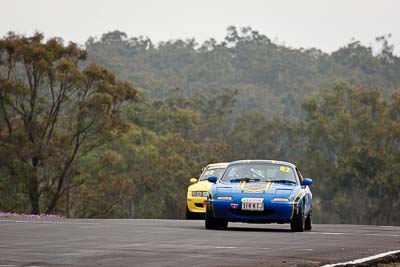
(185, 243)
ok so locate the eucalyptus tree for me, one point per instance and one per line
(53, 111)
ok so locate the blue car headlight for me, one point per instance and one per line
(224, 198)
(281, 199)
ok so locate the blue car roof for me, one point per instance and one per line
(249, 161)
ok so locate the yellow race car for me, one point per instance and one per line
(198, 190)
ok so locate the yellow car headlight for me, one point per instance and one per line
(199, 193)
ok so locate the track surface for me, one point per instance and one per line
(184, 243)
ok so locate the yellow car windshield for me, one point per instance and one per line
(212, 172)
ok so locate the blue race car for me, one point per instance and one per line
(260, 191)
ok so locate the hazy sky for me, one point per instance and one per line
(326, 24)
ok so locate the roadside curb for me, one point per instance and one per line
(383, 258)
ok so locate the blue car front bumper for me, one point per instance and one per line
(272, 213)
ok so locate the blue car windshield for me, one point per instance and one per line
(212, 172)
(259, 172)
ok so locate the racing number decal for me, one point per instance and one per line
(284, 169)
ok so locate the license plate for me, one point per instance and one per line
(256, 204)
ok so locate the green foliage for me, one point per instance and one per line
(146, 176)
(353, 147)
(268, 77)
(51, 113)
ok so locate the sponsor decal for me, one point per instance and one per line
(252, 200)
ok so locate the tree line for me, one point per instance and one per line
(268, 76)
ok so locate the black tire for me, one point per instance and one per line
(193, 215)
(223, 224)
(189, 215)
(308, 222)
(210, 221)
(298, 222)
(213, 223)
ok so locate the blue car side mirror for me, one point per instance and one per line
(212, 179)
(307, 181)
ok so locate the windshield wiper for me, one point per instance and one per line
(282, 181)
(244, 179)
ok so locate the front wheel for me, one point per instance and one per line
(189, 214)
(297, 223)
(213, 223)
(308, 222)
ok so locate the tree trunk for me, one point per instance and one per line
(63, 177)
(69, 197)
(54, 201)
(132, 216)
(34, 194)
(33, 187)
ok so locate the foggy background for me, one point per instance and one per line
(324, 24)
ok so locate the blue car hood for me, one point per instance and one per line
(281, 189)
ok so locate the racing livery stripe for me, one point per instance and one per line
(296, 201)
(242, 186)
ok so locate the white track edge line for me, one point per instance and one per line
(362, 260)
